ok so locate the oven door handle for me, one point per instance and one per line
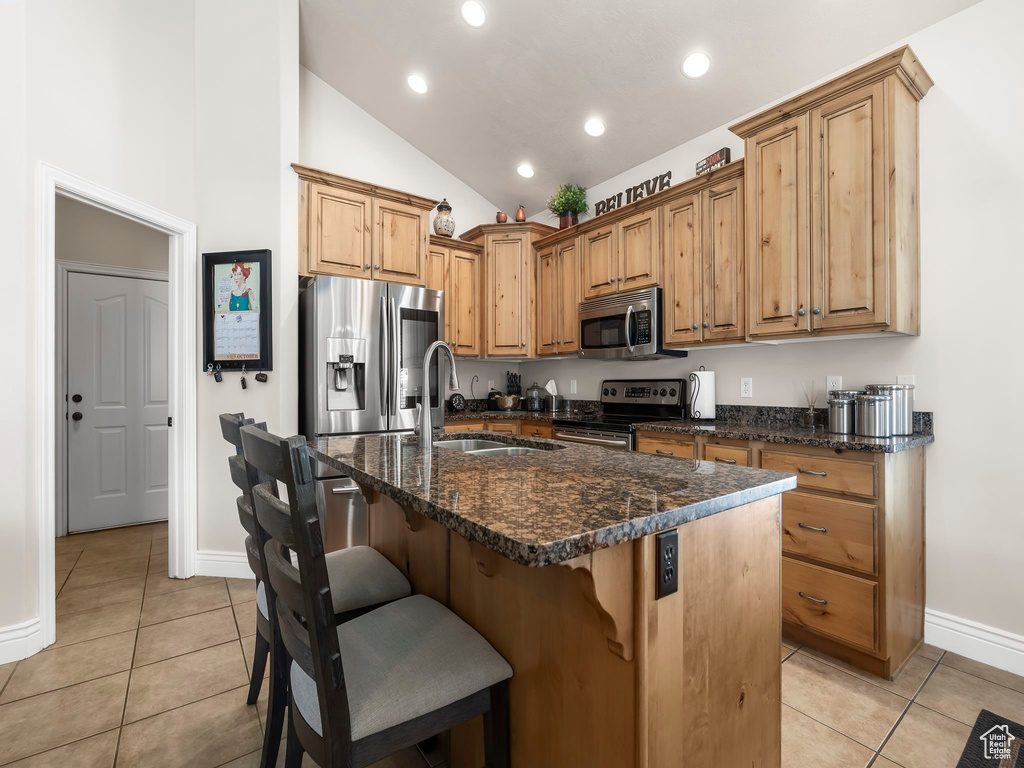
(629, 316)
(594, 440)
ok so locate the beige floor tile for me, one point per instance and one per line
(984, 671)
(94, 752)
(787, 651)
(6, 670)
(74, 543)
(87, 575)
(926, 739)
(407, 758)
(248, 649)
(161, 584)
(963, 696)
(65, 561)
(59, 577)
(204, 734)
(98, 622)
(242, 590)
(159, 547)
(192, 633)
(60, 667)
(184, 603)
(930, 652)
(60, 717)
(128, 536)
(183, 679)
(881, 762)
(907, 683)
(158, 563)
(77, 599)
(112, 554)
(245, 616)
(845, 703)
(806, 743)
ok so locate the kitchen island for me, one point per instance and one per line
(554, 556)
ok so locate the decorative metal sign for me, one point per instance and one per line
(713, 161)
(632, 194)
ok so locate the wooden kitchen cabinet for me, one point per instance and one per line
(639, 245)
(600, 259)
(663, 444)
(558, 280)
(456, 267)
(704, 290)
(510, 286)
(508, 427)
(351, 228)
(536, 429)
(833, 230)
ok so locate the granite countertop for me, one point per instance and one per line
(544, 508)
(455, 416)
(791, 435)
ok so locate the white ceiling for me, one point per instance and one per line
(519, 88)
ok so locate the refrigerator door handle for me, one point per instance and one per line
(395, 361)
(382, 373)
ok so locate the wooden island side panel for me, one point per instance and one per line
(605, 675)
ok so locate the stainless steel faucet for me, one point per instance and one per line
(424, 427)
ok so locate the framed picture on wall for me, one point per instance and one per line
(237, 312)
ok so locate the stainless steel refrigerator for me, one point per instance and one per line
(361, 355)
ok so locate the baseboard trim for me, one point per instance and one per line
(19, 641)
(980, 642)
(231, 565)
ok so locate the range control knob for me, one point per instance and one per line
(671, 393)
(614, 392)
(664, 392)
(605, 391)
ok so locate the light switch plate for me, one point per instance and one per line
(904, 378)
(572, 386)
(833, 382)
(747, 387)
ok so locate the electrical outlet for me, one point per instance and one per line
(746, 387)
(668, 564)
(833, 382)
(572, 386)
(904, 378)
(490, 385)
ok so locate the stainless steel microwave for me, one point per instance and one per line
(624, 326)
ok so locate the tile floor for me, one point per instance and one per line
(151, 671)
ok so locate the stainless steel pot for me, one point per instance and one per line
(874, 415)
(842, 415)
(902, 406)
(554, 403)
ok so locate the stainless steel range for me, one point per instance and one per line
(626, 402)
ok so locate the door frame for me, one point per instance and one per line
(182, 356)
(64, 268)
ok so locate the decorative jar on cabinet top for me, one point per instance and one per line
(444, 224)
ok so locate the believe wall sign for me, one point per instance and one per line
(632, 194)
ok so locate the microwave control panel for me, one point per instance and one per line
(643, 327)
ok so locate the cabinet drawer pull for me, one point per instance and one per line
(811, 528)
(813, 599)
(803, 471)
(664, 453)
(724, 461)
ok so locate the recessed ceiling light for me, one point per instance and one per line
(593, 127)
(525, 170)
(696, 64)
(473, 13)
(417, 83)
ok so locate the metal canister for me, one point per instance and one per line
(841, 415)
(874, 415)
(902, 405)
(534, 400)
(845, 393)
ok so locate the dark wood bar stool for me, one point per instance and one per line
(373, 578)
(391, 678)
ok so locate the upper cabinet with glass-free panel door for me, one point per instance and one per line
(401, 237)
(338, 231)
(567, 267)
(724, 304)
(464, 309)
(547, 302)
(681, 297)
(599, 259)
(639, 245)
(833, 232)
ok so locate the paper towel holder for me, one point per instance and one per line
(695, 387)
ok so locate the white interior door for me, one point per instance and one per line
(116, 342)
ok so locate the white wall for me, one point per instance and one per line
(88, 234)
(337, 136)
(969, 351)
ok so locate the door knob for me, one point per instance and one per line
(695, 326)
(366, 266)
(76, 398)
(816, 310)
(76, 416)
(801, 312)
(376, 266)
(705, 325)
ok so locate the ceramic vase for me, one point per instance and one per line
(501, 217)
(521, 214)
(444, 224)
(568, 220)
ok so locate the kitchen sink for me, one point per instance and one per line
(468, 445)
(506, 450)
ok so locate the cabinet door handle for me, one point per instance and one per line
(816, 310)
(720, 460)
(706, 325)
(801, 312)
(813, 599)
(812, 528)
(695, 326)
(376, 266)
(524, 343)
(366, 266)
(803, 471)
(664, 453)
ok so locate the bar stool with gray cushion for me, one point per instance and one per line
(370, 579)
(381, 682)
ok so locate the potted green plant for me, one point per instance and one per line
(568, 203)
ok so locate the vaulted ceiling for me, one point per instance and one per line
(520, 87)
